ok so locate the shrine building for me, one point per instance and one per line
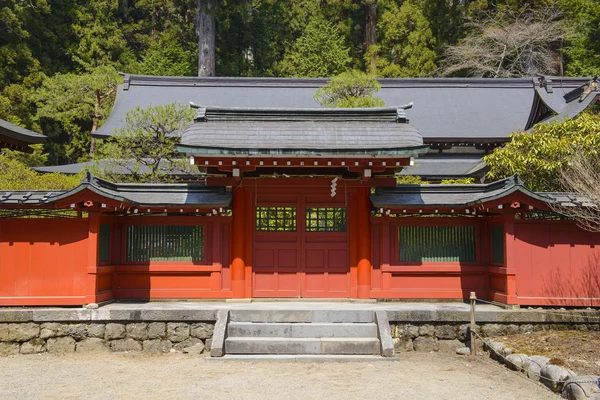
(298, 201)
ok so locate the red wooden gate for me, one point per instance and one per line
(300, 247)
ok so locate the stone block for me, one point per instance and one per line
(449, 346)
(527, 328)
(493, 330)
(533, 365)
(157, 330)
(425, 344)
(464, 332)
(9, 349)
(207, 345)
(427, 330)
(446, 332)
(34, 346)
(3, 332)
(385, 334)
(16, 315)
(196, 349)
(584, 387)
(157, 346)
(61, 315)
(76, 331)
(114, 331)
(189, 342)
(138, 331)
(554, 377)
(178, 315)
(350, 346)
(125, 345)
(511, 329)
(91, 344)
(218, 340)
(202, 330)
(60, 345)
(23, 332)
(516, 361)
(52, 329)
(96, 330)
(177, 331)
(402, 345)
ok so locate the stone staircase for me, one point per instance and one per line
(304, 335)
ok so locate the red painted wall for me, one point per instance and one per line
(210, 278)
(428, 280)
(43, 261)
(557, 263)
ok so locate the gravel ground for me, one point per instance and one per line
(177, 376)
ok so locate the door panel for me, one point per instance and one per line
(298, 263)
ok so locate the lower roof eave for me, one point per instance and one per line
(299, 153)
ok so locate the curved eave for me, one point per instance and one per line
(392, 152)
(12, 131)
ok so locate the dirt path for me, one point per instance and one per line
(176, 376)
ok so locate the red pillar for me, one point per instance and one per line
(238, 249)
(510, 260)
(92, 264)
(363, 232)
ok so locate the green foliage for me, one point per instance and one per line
(410, 180)
(15, 175)
(540, 155)
(406, 46)
(37, 158)
(458, 181)
(145, 145)
(168, 58)
(582, 47)
(319, 52)
(76, 104)
(353, 89)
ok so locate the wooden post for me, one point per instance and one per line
(364, 243)
(473, 298)
(92, 265)
(238, 248)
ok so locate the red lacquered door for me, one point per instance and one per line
(300, 247)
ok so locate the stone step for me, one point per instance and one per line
(277, 345)
(312, 358)
(301, 329)
(295, 316)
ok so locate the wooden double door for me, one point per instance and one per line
(300, 247)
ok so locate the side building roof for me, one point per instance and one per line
(12, 135)
(446, 109)
(457, 196)
(123, 194)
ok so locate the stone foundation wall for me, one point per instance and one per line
(447, 337)
(148, 337)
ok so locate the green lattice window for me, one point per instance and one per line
(498, 244)
(281, 219)
(104, 243)
(437, 243)
(326, 219)
(165, 243)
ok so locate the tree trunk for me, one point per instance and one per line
(205, 29)
(371, 30)
(95, 120)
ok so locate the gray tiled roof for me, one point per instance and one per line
(16, 132)
(73, 169)
(444, 108)
(446, 166)
(451, 195)
(135, 194)
(306, 131)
